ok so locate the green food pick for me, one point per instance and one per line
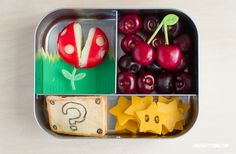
(168, 20)
(72, 76)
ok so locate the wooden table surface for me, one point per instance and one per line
(215, 127)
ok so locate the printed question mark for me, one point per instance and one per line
(82, 112)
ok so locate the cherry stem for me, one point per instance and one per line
(166, 34)
(155, 33)
(168, 20)
(73, 79)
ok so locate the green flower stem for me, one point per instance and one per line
(73, 79)
(155, 33)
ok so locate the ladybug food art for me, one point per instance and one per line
(70, 43)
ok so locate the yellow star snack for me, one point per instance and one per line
(131, 126)
(167, 100)
(184, 107)
(151, 120)
(141, 114)
(179, 125)
(118, 111)
(172, 112)
(138, 104)
(164, 130)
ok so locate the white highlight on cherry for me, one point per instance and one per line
(100, 41)
(69, 49)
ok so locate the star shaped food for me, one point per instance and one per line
(179, 125)
(151, 120)
(164, 130)
(183, 108)
(167, 100)
(138, 104)
(173, 114)
(118, 111)
(131, 126)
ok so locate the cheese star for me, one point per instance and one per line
(172, 112)
(167, 100)
(184, 107)
(179, 125)
(131, 126)
(118, 111)
(151, 120)
(164, 130)
(138, 103)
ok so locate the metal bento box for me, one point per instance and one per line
(71, 70)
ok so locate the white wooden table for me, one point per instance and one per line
(214, 131)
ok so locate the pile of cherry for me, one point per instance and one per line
(152, 62)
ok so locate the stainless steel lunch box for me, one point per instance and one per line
(46, 34)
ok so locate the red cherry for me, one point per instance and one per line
(158, 40)
(126, 83)
(169, 56)
(184, 83)
(129, 24)
(184, 42)
(143, 54)
(146, 82)
(184, 63)
(129, 42)
(154, 68)
(126, 63)
(150, 24)
(164, 83)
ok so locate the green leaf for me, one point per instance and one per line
(66, 74)
(170, 19)
(80, 76)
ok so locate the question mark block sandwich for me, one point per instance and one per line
(83, 115)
